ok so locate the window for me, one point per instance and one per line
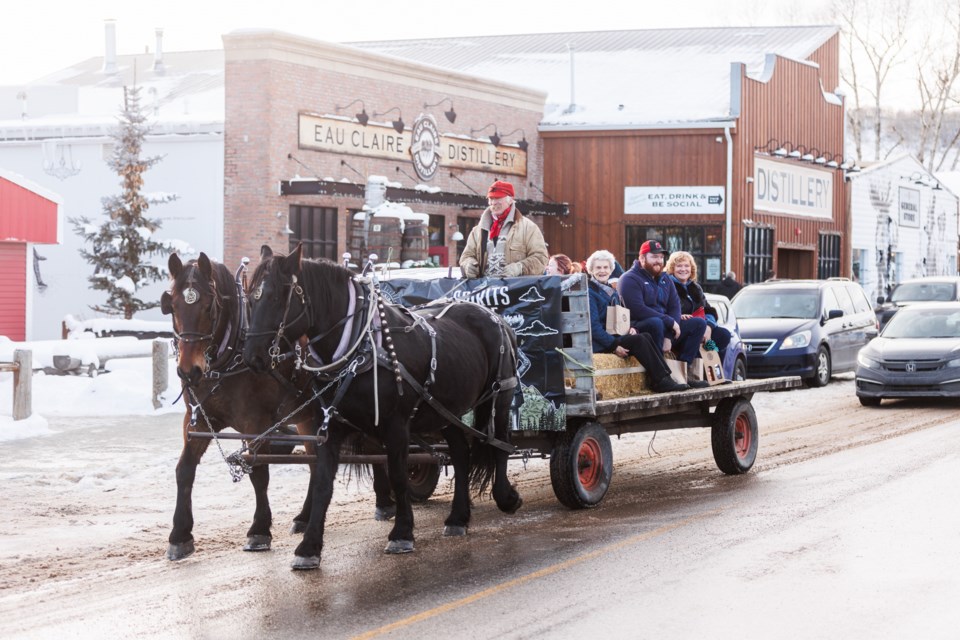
(828, 266)
(860, 302)
(438, 231)
(705, 244)
(757, 254)
(846, 303)
(316, 229)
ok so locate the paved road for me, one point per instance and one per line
(847, 526)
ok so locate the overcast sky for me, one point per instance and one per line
(36, 40)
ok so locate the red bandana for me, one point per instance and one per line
(497, 224)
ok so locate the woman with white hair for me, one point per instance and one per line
(600, 266)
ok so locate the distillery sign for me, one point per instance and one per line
(792, 188)
(422, 144)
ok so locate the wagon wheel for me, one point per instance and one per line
(581, 465)
(422, 481)
(735, 436)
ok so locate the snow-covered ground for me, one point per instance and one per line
(124, 388)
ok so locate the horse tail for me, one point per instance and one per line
(483, 457)
(482, 461)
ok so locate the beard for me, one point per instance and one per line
(653, 269)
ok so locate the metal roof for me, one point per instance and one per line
(617, 77)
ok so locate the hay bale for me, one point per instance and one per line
(617, 377)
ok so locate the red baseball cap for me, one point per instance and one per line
(500, 189)
(652, 246)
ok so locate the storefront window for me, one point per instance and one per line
(316, 229)
(437, 230)
(705, 243)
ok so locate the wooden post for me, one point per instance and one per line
(161, 356)
(22, 384)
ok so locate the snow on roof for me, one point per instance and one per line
(188, 93)
(619, 77)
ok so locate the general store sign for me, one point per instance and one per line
(337, 135)
(909, 207)
(673, 200)
(792, 188)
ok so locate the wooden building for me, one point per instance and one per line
(725, 142)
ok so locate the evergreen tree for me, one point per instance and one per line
(120, 248)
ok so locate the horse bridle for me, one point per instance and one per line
(194, 337)
(274, 351)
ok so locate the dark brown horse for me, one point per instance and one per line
(392, 375)
(220, 391)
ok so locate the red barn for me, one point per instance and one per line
(29, 214)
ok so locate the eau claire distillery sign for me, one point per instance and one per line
(423, 145)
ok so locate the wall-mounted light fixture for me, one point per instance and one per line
(451, 115)
(398, 123)
(523, 144)
(361, 117)
(494, 139)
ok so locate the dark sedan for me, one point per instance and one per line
(917, 355)
(929, 289)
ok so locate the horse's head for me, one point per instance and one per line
(278, 308)
(197, 309)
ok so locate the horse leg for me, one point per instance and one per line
(181, 536)
(397, 440)
(307, 553)
(386, 508)
(258, 536)
(504, 494)
(459, 519)
(301, 520)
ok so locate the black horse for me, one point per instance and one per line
(221, 392)
(393, 375)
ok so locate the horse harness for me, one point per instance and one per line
(367, 344)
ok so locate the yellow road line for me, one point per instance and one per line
(566, 564)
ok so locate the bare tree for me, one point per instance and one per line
(875, 32)
(938, 71)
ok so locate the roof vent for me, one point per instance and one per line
(110, 47)
(158, 67)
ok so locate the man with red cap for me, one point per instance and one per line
(654, 306)
(504, 243)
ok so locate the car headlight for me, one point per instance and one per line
(953, 363)
(866, 361)
(797, 340)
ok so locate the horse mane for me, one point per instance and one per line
(314, 271)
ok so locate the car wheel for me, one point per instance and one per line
(821, 376)
(869, 402)
(740, 370)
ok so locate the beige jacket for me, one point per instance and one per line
(525, 252)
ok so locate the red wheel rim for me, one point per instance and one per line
(742, 437)
(589, 464)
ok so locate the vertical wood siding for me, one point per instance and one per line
(13, 290)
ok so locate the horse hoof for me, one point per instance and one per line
(451, 530)
(382, 514)
(399, 546)
(257, 543)
(298, 527)
(516, 506)
(302, 564)
(180, 551)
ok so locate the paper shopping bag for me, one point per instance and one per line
(712, 367)
(618, 320)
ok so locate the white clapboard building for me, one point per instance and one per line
(904, 225)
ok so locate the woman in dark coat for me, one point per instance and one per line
(600, 266)
(683, 270)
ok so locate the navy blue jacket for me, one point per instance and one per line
(649, 298)
(603, 342)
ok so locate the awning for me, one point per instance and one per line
(308, 187)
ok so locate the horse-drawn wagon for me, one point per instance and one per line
(478, 372)
(578, 441)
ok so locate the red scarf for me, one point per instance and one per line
(497, 224)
